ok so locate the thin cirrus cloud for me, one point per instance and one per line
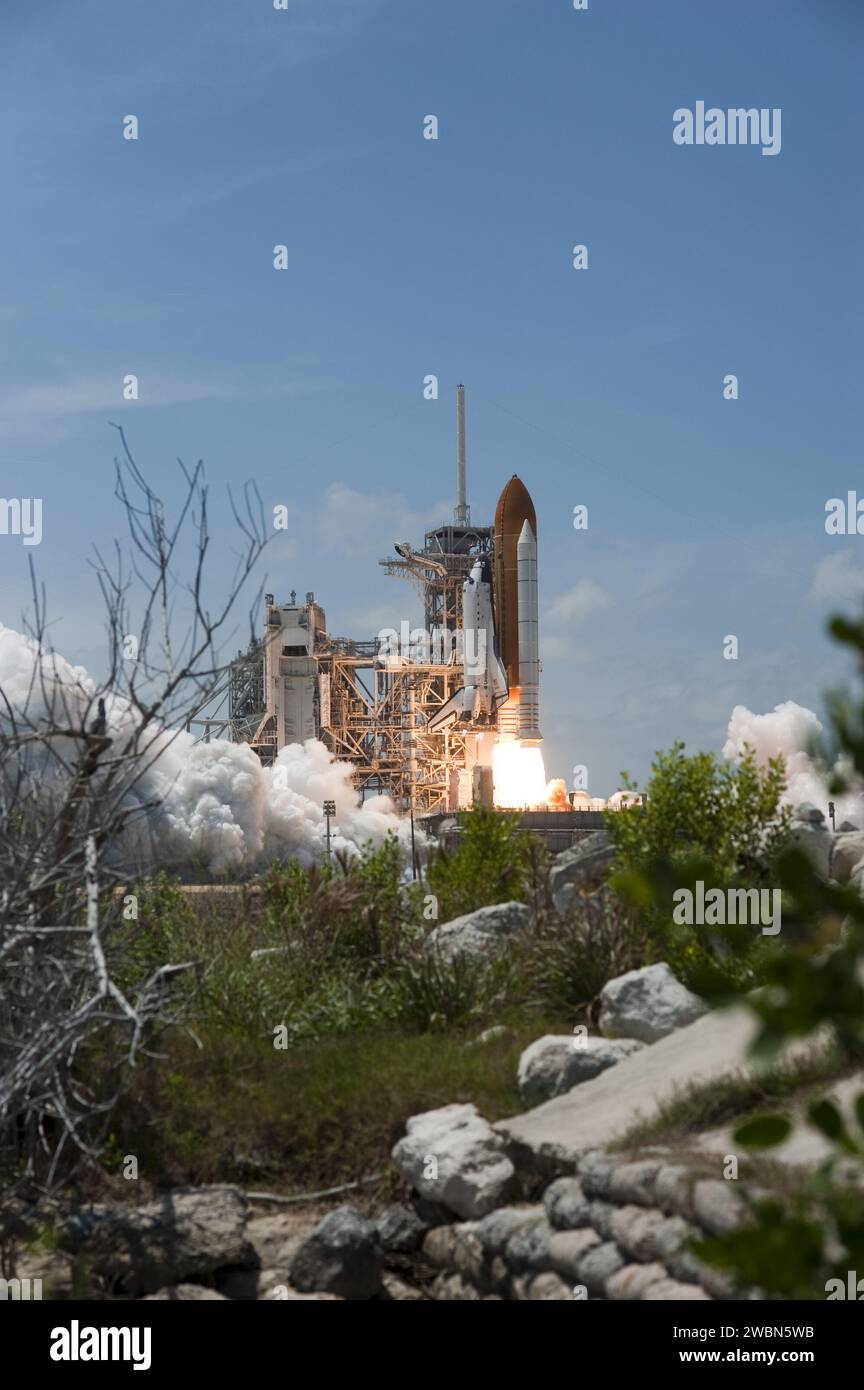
(43, 406)
(585, 598)
(362, 524)
(218, 189)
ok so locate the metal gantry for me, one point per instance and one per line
(372, 707)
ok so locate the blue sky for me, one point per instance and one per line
(453, 257)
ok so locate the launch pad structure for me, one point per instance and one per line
(371, 703)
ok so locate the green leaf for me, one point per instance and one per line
(824, 1116)
(763, 1132)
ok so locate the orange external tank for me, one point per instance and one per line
(514, 509)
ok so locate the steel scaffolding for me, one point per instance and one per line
(372, 708)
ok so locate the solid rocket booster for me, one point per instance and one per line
(529, 629)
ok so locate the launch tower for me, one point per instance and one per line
(421, 723)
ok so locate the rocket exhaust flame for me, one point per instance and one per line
(519, 776)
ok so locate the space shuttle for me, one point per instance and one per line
(476, 704)
(499, 618)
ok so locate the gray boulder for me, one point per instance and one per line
(856, 882)
(632, 1281)
(495, 1230)
(342, 1256)
(276, 1238)
(566, 1205)
(174, 1240)
(547, 1288)
(808, 813)
(281, 1292)
(647, 1004)
(400, 1229)
(634, 1182)
(717, 1206)
(669, 1290)
(454, 1157)
(596, 1170)
(398, 1291)
(847, 854)
(556, 1063)
(567, 1249)
(479, 935)
(439, 1246)
(813, 839)
(581, 868)
(186, 1293)
(598, 1265)
(527, 1250)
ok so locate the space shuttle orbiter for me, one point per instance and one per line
(485, 688)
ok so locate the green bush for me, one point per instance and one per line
(349, 912)
(571, 958)
(161, 932)
(701, 807)
(814, 986)
(339, 1004)
(430, 993)
(494, 862)
(709, 821)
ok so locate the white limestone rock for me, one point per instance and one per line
(558, 1062)
(580, 868)
(479, 935)
(847, 855)
(454, 1157)
(647, 1004)
(813, 840)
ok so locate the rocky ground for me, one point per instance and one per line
(538, 1207)
(542, 1206)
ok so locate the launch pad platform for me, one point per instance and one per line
(558, 830)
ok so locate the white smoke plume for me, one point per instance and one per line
(219, 808)
(790, 731)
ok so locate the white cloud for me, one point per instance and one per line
(578, 603)
(562, 647)
(364, 524)
(839, 579)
